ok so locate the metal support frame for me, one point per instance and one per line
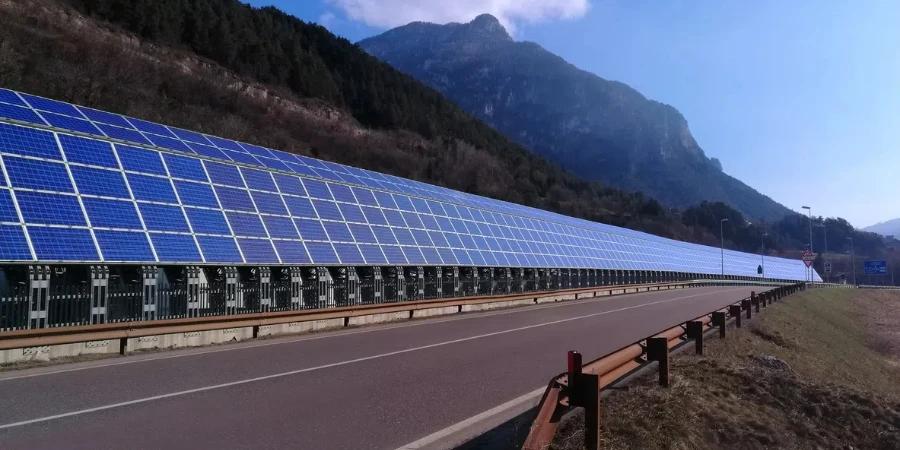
(39, 296)
(149, 278)
(99, 293)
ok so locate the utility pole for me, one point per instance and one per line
(722, 235)
(825, 251)
(852, 259)
(809, 269)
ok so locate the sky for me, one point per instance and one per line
(799, 99)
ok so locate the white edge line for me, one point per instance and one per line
(437, 436)
(327, 366)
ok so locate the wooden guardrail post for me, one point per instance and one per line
(658, 350)
(695, 332)
(735, 311)
(754, 302)
(718, 320)
(745, 304)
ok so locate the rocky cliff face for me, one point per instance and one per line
(600, 129)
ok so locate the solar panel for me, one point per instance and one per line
(430, 224)
(112, 213)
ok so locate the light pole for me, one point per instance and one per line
(809, 269)
(825, 250)
(852, 259)
(722, 236)
(762, 254)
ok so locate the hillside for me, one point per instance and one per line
(601, 130)
(50, 49)
(886, 228)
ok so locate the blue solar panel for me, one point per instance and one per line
(34, 174)
(225, 143)
(261, 180)
(403, 203)
(447, 256)
(70, 123)
(404, 237)
(292, 252)
(196, 194)
(124, 246)
(150, 127)
(102, 182)
(393, 254)
(53, 209)
(28, 142)
(385, 200)
(365, 197)
(241, 157)
(438, 238)
(351, 213)
(273, 164)
(190, 136)
(317, 189)
(374, 216)
(280, 227)
(338, 232)
(219, 249)
(105, 117)
(174, 248)
(322, 253)
(11, 97)
(20, 113)
(373, 254)
(207, 221)
(260, 151)
(206, 150)
(394, 218)
(235, 199)
(412, 220)
(327, 210)
(112, 213)
(46, 104)
(63, 244)
(422, 238)
(246, 224)
(123, 134)
(269, 203)
(7, 208)
(88, 151)
(349, 254)
(342, 193)
(184, 167)
(258, 251)
(163, 218)
(140, 160)
(288, 184)
(13, 246)
(152, 189)
(431, 255)
(167, 142)
(301, 170)
(224, 174)
(300, 207)
(384, 235)
(362, 233)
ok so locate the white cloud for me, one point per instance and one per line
(327, 19)
(393, 13)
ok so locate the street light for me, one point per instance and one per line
(722, 235)
(825, 250)
(810, 239)
(762, 253)
(852, 260)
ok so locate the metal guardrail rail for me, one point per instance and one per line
(130, 329)
(581, 385)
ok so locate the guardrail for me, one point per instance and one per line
(123, 331)
(582, 384)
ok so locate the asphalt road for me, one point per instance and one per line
(369, 388)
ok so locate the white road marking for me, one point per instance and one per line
(337, 364)
(437, 436)
(134, 359)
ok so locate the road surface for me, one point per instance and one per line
(379, 387)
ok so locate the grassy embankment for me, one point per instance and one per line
(834, 383)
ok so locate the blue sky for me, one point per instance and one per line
(798, 99)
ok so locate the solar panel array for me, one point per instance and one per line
(82, 185)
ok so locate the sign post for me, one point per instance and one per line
(808, 258)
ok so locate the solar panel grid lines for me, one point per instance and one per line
(557, 237)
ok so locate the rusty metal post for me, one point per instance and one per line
(695, 332)
(735, 311)
(718, 320)
(745, 304)
(573, 359)
(589, 391)
(658, 350)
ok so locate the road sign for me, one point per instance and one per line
(828, 267)
(808, 258)
(876, 267)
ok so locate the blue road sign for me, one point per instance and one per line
(876, 267)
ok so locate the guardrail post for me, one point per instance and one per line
(695, 332)
(658, 350)
(745, 305)
(718, 320)
(584, 392)
(754, 302)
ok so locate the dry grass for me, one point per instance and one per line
(838, 389)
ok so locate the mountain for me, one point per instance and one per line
(887, 228)
(600, 129)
